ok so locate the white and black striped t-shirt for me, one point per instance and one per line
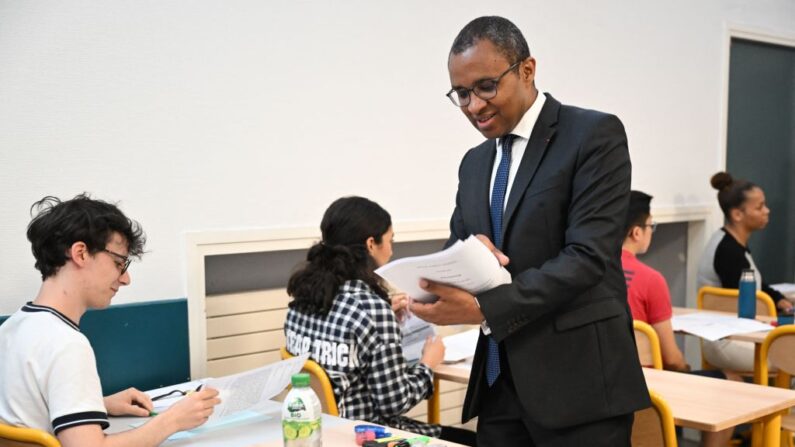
(723, 261)
(49, 373)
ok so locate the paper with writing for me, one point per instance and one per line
(468, 265)
(710, 326)
(250, 390)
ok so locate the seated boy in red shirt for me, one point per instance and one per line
(650, 301)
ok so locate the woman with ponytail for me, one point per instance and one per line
(727, 254)
(341, 315)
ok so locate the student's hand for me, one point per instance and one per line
(454, 306)
(784, 304)
(193, 409)
(400, 306)
(129, 402)
(497, 253)
(432, 352)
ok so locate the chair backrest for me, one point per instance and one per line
(654, 426)
(725, 300)
(12, 436)
(648, 344)
(777, 349)
(320, 384)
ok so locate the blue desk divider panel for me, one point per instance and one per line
(144, 345)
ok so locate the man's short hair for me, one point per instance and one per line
(638, 211)
(500, 31)
(57, 225)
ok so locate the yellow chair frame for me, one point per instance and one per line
(317, 371)
(667, 429)
(28, 435)
(666, 418)
(652, 340)
(764, 303)
(328, 401)
(784, 376)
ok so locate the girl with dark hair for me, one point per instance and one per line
(727, 254)
(341, 315)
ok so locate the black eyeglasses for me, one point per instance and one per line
(177, 393)
(653, 226)
(484, 89)
(124, 261)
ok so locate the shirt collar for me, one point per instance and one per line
(525, 125)
(30, 307)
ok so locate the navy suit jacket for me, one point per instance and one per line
(563, 322)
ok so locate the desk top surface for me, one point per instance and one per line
(264, 430)
(712, 404)
(697, 402)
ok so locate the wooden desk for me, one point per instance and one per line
(699, 402)
(265, 431)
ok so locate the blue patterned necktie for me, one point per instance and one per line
(497, 206)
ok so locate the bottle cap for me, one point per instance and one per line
(300, 380)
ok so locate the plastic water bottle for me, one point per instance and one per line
(746, 303)
(301, 414)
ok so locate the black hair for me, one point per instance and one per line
(57, 225)
(732, 193)
(340, 256)
(638, 211)
(498, 30)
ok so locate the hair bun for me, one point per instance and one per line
(721, 180)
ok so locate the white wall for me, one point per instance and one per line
(228, 114)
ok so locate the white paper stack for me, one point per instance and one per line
(468, 265)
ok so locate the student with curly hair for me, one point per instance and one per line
(83, 248)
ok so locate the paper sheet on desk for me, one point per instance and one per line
(786, 289)
(712, 327)
(461, 346)
(468, 265)
(241, 418)
(251, 390)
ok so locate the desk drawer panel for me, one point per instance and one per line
(233, 365)
(446, 386)
(448, 400)
(246, 323)
(246, 302)
(244, 344)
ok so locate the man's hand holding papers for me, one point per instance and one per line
(473, 265)
(453, 276)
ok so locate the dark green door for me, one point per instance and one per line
(761, 145)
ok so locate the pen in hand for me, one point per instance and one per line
(155, 413)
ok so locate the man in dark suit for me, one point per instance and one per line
(556, 363)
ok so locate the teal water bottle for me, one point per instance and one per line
(746, 303)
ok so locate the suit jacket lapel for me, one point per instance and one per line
(542, 135)
(482, 182)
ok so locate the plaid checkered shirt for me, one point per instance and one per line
(359, 345)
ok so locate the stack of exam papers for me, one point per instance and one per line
(712, 327)
(468, 265)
